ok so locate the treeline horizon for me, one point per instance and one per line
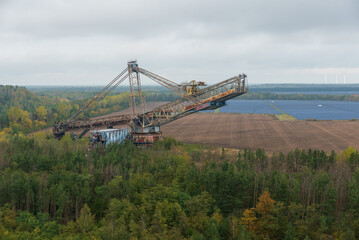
(54, 189)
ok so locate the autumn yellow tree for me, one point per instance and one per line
(38, 123)
(249, 219)
(345, 155)
(265, 203)
(259, 220)
(19, 118)
(4, 134)
(41, 113)
(265, 224)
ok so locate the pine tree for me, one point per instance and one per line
(290, 233)
(197, 236)
(212, 231)
(86, 221)
(243, 233)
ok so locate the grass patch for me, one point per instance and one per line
(285, 117)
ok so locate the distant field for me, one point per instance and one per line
(253, 131)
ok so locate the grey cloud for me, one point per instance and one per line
(52, 42)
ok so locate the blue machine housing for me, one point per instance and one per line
(109, 136)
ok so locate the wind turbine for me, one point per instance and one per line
(344, 78)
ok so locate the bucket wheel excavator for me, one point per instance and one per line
(144, 126)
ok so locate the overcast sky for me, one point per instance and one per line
(88, 42)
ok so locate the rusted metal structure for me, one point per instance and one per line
(145, 125)
(60, 128)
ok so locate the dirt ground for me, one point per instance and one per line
(253, 131)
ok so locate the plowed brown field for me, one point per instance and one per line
(253, 131)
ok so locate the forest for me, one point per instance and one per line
(51, 189)
(54, 189)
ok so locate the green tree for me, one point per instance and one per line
(212, 231)
(290, 233)
(243, 234)
(197, 236)
(353, 191)
(63, 109)
(86, 221)
(349, 235)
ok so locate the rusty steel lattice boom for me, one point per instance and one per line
(60, 128)
(208, 98)
(145, 125)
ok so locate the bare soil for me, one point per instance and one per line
(253, 131)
